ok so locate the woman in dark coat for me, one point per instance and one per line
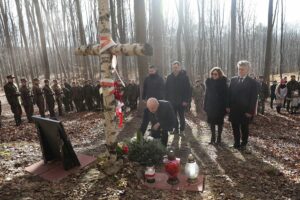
(215, 102)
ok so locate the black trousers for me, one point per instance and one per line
(240, 130)
(162, 135)
(51, 106)
(179, 109)
(29, 112)
(17, 110)
(146, 120)
(272, 101)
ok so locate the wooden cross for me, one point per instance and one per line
(106, 49)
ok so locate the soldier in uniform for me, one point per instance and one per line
(263, 94)
(27, 101)
(49, 96)
(58, 96)
(88, 92)
(12, 96)
(66, 99)
(69, 87)
(81, 97)
(132, 94)
(38, 98)
(98, 96)
(198, 95)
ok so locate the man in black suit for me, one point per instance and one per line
(178, 92)
(154, 86)
(162, 118)
(241, 104)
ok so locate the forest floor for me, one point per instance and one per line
(271, 170)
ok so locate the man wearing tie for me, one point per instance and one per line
(241, 104)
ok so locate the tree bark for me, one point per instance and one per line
(157, 19)
(42, 39)
(140, 30)
(22, 30)
(233, 38)
(86, 63)
(8, 40)
(179, 30)
(268, 55)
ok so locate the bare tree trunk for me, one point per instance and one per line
(22, 30)
(122, 34)
(86, 63)
(140, 30)
(8, 40)
(233, 38)
(157, 19)
(33, 43)
(281, 42)
(43, 40)
(268, 55)
(179, 30)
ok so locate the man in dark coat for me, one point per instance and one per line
(154, 86)
(178, 93)
(49, 96)
(88, 93)
(242, 104)
(162, 117)
(273, 93)
(38, 98)
(27, 100)
(292, 86)
(12, 96)
(263, 94)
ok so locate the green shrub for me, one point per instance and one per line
(146, 152)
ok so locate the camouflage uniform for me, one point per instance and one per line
(58, 97)
(262, 96)
(88, 93)
(132, 95)
(198, 95)
(49, 96)
(38, 99)
(27, 101)
(67, 99)
(12, 96)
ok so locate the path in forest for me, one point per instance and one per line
(271, 171)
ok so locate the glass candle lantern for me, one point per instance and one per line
(191, 169)
(150, 174)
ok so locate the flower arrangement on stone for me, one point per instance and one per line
(122, 149)
(142, 150)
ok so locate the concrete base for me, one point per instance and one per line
(54, 171)
(161, 183)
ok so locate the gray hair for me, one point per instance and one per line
(176, 62)
(244, 63)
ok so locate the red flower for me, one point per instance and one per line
(125, 149)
